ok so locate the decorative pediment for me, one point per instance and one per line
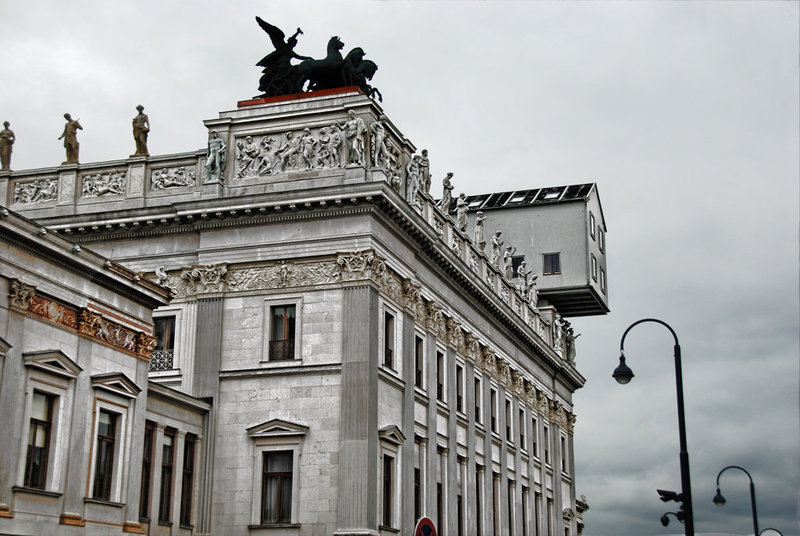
(277, 428)
(568, 514)
(4, 346)
(117, 383)
(52, 361)
(392, 434)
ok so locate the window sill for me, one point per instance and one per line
(36, 491)
(164, 523)
(280, 363)
(392, 530)
(274, 526)
(103, 502)
(184, 526)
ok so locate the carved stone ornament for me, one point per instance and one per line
(473, 263)
(98, 184)
(204, 279)
(21, 294)
(518, 383)
(38, 191)
(530, 395)
(457, 246)
(392, 285)
(361, 265)
(504, 293)
(570, 424)
(145, 344)
(542, 403)
(89, 323)
(53, 311)
(489, 361)
(411, 296)
(435, 320)
(283, 274)
(177, 177)
(473, 348)
(455, 335)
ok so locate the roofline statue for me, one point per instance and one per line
(280, 77)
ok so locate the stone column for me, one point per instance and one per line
(488, 518)
(431, 453)
(407, 520)
(133, 483)
(502, 507)
(470, 523)
(452, 470)
(12, 395)
(358, 480)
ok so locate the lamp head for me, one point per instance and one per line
(665, 520)
(718, 499)
(623, 374)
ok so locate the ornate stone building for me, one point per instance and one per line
(337, 356)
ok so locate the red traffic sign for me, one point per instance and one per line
(425, 527)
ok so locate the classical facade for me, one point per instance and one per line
(338, 357)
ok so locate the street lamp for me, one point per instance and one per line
(770, 528)
(623, 374)
(719, 500)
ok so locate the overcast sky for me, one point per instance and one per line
(685, 114)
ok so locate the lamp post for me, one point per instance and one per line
(623, 374)
(719, 500)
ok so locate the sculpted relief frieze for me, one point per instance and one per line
(176, 177)
(100, 184)
(33, 192)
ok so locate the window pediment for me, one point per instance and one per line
(52, 361)
(277, 428)
(4, 347)
(117, 383)
(392, 434)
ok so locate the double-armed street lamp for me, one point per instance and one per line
(719, 500)
(623, 374)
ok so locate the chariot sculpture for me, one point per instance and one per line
(280, 77)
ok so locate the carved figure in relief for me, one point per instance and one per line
(508, 265)
(380, 154)
(287, 152)
(496, 245)
(216, 159)
(161, 275)
(70, 136)
(103, 183)
(425, 172)
(354, 129)
(412, 181)
(307, 148)
(480, 236)
(266, 165)
(248, 153)
(141, 127)
(172, 178)
(7, 139)
(461, 212)
(36, 191)
(533, 291)
(447, 193)
(395, 178)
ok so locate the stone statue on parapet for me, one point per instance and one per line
(354, 129)
(216, 158)
(508, 264)
(70, 136)
(447, 193)
(496, 245)
(480, 236)
(425, 172)
(533, 291)
(377, 144)
(571, 352)
(461, 212)
(522, 278)
(412, 181)
(280, 77)
(7, 139)
(141, 127)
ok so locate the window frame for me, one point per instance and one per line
(459, 387)
(283, 300)
(602, 280)
(493, 401)
(477, 385)
(167, 476)
(281, 487)
(441, 375)
(592, 225)
(594, 267)
(601, 239)
(146, 482)
(113, 475)
(34, 423)
(178, 350)
(189, 468)
(554, 269)
(419, 361)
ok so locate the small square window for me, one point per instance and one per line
(552, 263)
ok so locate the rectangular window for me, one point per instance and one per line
(388, 340)
(388, 486)
(508, 421)
(440, 371)
(282, 335)
(459, 388)
(478, 500)
(552, 263)
(478, 416)
(187, 479)
(496, 504)
(417, 494)
(493, 408)
(104, 456)
(535, 435)
(594, 267)
(511, 508)
(167, 462)
(601, 239)
(525, 504)
(38, 453)
(546, 445)
(460, 496)
(164, 352)
(591, 225)
(419, 353)
(537, 514)
(147, 469)
(549, 516)
(602, 280)
(563, 454)
(521, 421)
(276, 487)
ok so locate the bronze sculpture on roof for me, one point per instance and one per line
(280, 77)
